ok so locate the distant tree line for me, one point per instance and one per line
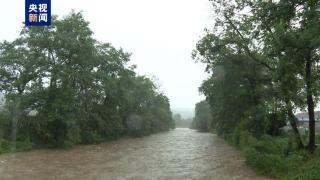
(63, 87)
(181, 122)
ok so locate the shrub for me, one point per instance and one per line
(17, 146)
(90, 137)
(23, 145)
(309, 170)
(273, 165)
(268, 155)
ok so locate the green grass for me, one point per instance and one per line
(277, 157)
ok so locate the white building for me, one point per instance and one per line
(303, 117)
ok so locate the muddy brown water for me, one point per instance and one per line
(177, 154)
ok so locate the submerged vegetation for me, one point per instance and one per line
(62, 87)
(262, 58)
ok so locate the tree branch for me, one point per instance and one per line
(246, 48)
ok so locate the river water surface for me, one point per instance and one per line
(177, 154)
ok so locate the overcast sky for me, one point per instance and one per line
(160, 34)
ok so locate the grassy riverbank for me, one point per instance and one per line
(277, 157)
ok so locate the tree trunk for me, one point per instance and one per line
(310, 103)
(293, 123)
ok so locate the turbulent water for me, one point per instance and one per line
(177, 154)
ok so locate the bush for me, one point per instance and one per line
(268, 164)
(90, 137)
(6, 146)
(308, 169)
(23, 146)
(268, 155)
(312, 174)
(274, 165)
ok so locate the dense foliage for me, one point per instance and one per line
(63, 87)
(262, 58)
(203, 118)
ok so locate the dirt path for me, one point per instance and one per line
(178, 154)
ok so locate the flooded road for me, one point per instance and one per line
(177, 154)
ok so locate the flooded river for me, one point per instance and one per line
(177, 154)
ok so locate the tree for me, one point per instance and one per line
(281, 38)
(82, 90)
(203, 119)
(291, 29)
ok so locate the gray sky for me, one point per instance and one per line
(160, 34)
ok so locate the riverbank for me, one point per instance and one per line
(277, 157)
